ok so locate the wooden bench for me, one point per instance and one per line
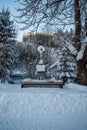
(42, 84)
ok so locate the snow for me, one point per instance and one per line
(41, 62)
(55, 64)
(43, 108)
(43, 81)
(14, 72)
(71, 48)
(84, 41)
(81, 52)
(33, 80)
(27, 80)
(40, 68)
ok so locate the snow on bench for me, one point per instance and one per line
(42, 83)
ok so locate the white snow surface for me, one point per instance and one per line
(81, 52)
(40, 68)
(43, 108)
(71, 48)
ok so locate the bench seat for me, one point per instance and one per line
(42, 84)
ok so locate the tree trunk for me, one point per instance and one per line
(86, 25)
(77, 40)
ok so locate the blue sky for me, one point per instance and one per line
(12, 5)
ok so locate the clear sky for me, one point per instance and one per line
(11, 4)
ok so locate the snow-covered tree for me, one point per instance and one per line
(7, 40)
(65, 67)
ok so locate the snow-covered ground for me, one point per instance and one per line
(43, 108)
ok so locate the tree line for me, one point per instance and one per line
(50, 40)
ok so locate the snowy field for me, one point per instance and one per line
(43, 108)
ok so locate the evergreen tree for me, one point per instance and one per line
(7, 40)
(67, 69)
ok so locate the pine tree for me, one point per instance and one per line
(7, 40)
(67, 69)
